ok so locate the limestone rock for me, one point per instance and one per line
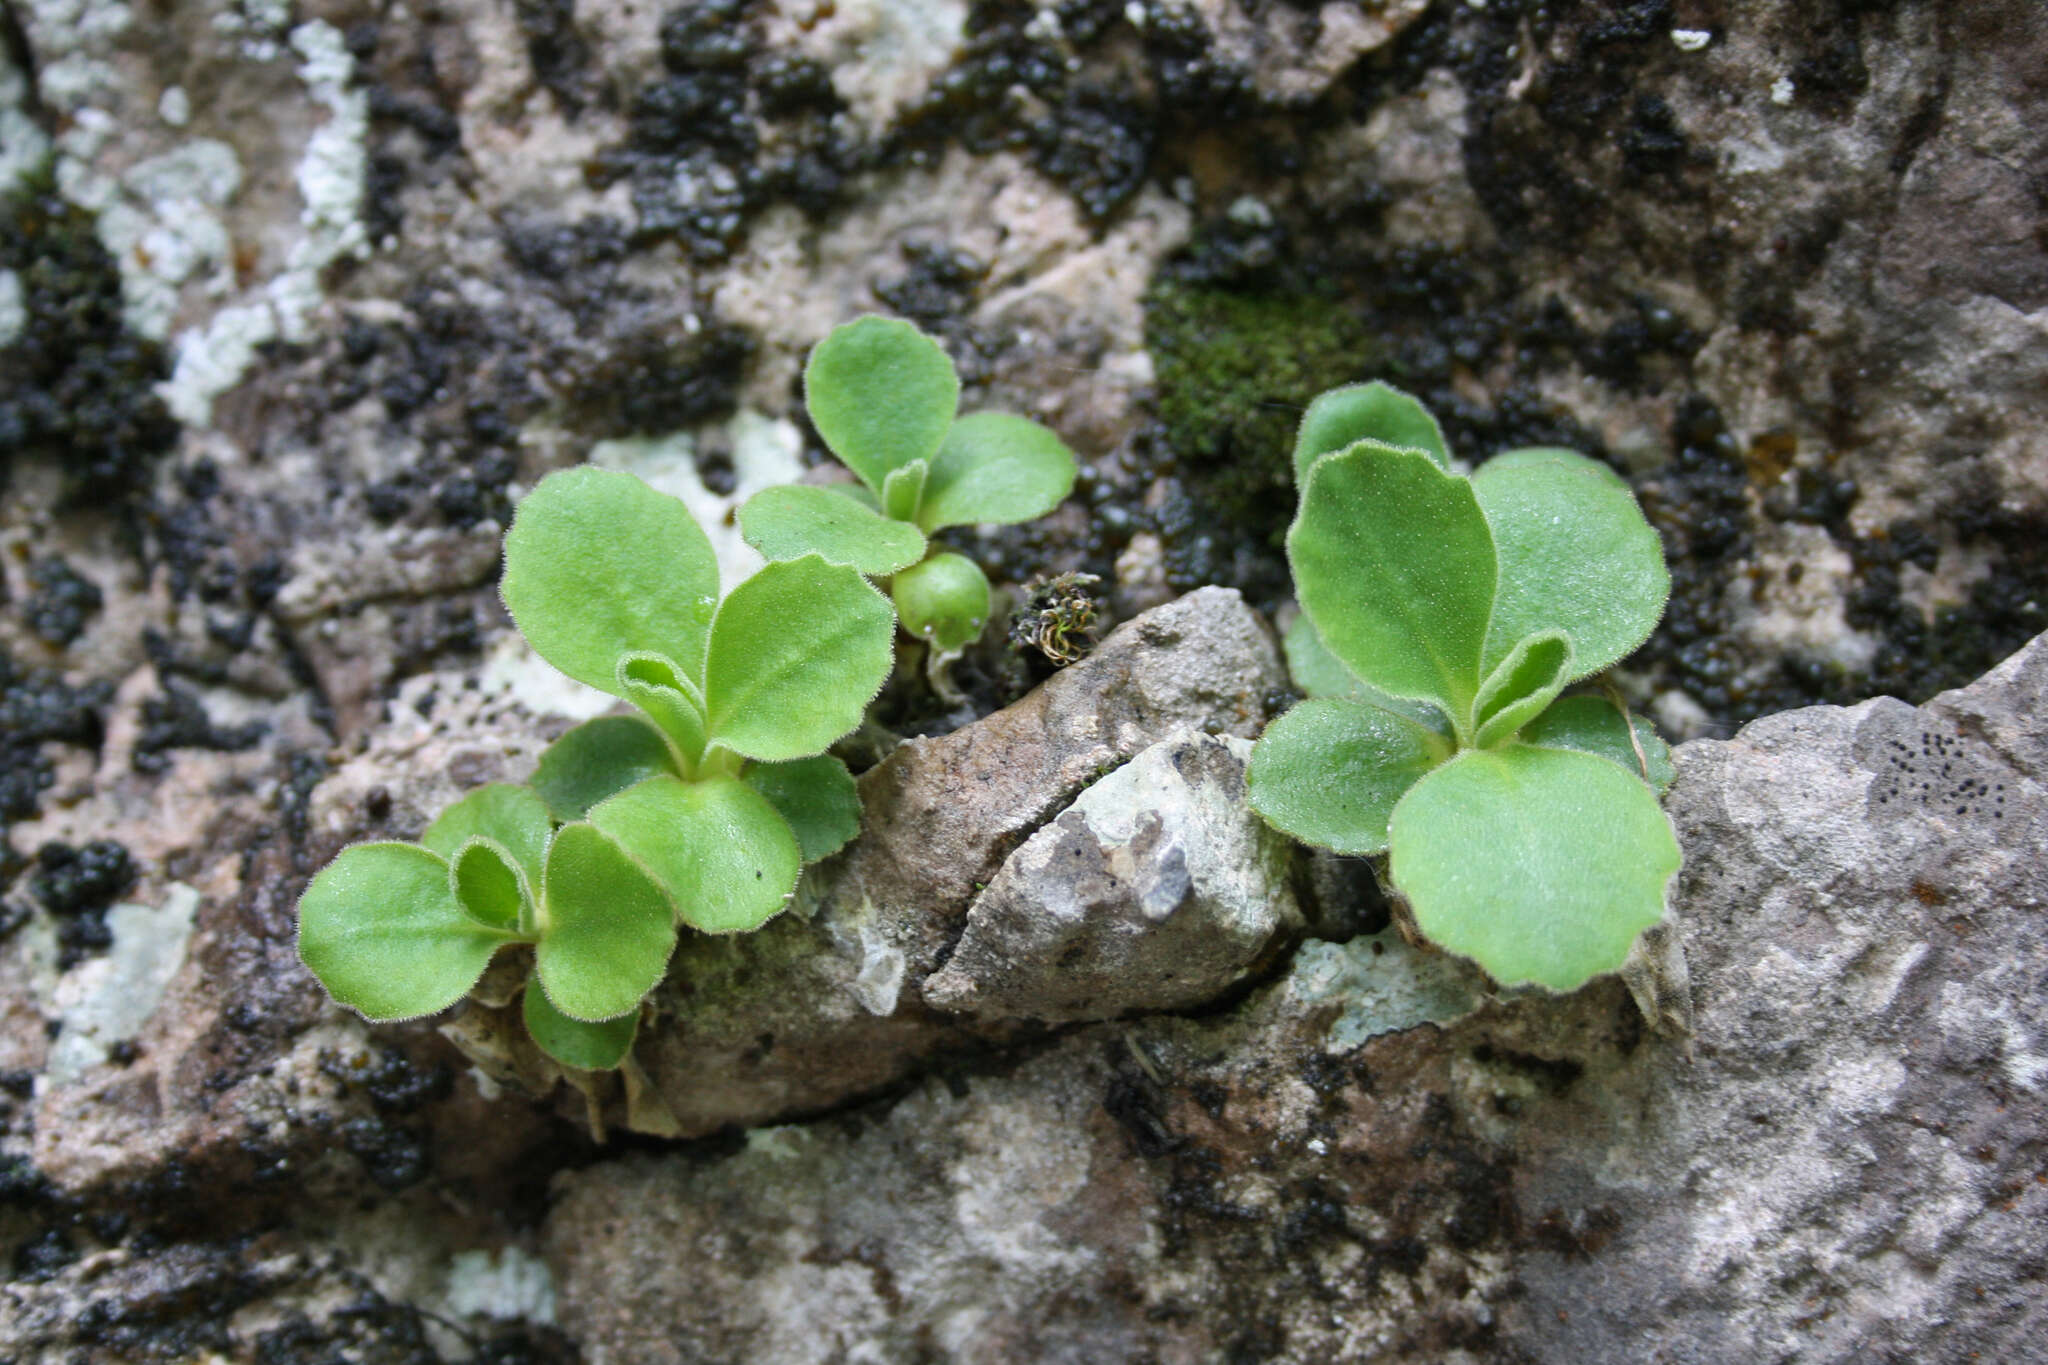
(402, 261)
(1158, 889)
(1371, 1158)
(1859, 1133)
(1295, 59)
(824, 1004)
(949, 810)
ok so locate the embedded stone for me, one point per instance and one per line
(1159, 888)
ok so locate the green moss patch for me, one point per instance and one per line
(1233, 373)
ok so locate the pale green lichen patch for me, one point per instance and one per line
(13, 316)
(107, 1000)
(164, 228)
(1382, 984)
(213, 357)
(23, 144)
(510, 1285)
(780, 1142)
(883, 54)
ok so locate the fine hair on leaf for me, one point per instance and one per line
(1443, 619)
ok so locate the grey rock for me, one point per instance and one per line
(1848, 1170)
(1294, 63)
(835, 988)
(1158, 889)
(1371, 1157)
(947, 811)
(403, 270)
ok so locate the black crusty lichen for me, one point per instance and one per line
(736, 123)
(38, 708)
(60, 601)
(79, 886)
(76, 384)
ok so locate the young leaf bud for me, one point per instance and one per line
(943, 601)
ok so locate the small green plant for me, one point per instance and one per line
(882, 394)
(1443, 616)
(701, 811)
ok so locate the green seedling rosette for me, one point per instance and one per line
(882, 394)
(396, 931)
(742, 698)
(1443, 618)
(700, 810)
(944, 599)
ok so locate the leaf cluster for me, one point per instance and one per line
(701, 810)
(883, 395)
(1443, 618)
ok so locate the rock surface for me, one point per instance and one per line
(1851, 1164)
(1158, 889)
(826, 1004)
(296, 299)
(1370, 1160)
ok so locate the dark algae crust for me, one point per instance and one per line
(76, 385)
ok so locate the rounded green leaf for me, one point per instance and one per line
(817, 796)
(574, 1043)
(1594, 725)
(1530, 455)
(597, 565)
(1576, 555)
(1365, 412)
(665, 693)
(1315, 670)
(513, 816)
(793, 520)
(599, 758)
(1516, 692)
(1394, 563)
(607, 929)
(881, 393)
(724, 854)
(1319, 673)
(1330, 772)
(381, 928)
(995, 467)
(859, 492)
(943, 601)
(1541, 865)
(489, 885)
(797, 653)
